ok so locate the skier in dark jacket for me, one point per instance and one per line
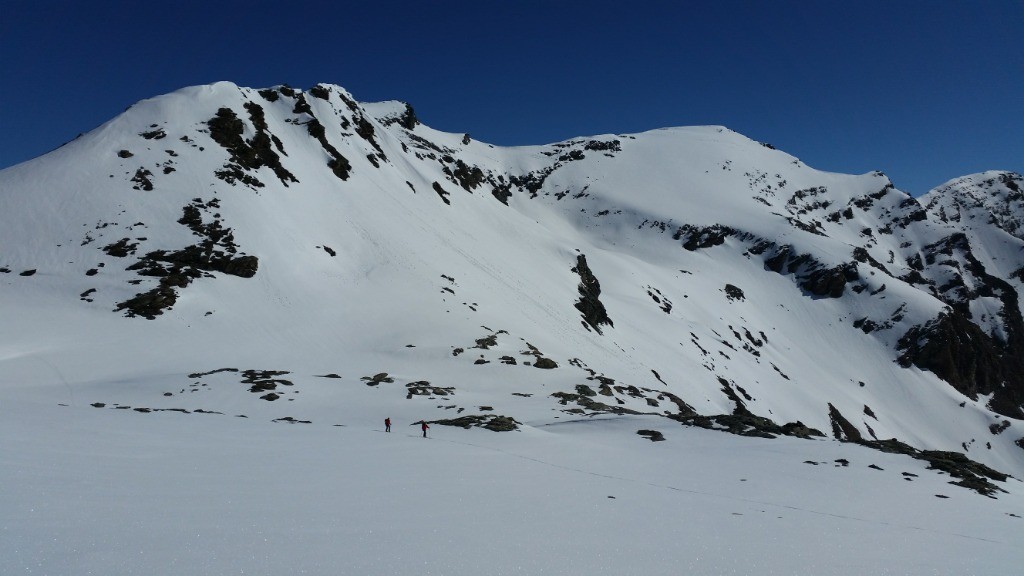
(387, 424)
(423, 425)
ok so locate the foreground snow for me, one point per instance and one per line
(106, 491)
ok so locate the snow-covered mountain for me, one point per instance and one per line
(300, 256)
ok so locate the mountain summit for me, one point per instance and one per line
(222, 246)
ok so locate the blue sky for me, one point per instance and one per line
(923, 90)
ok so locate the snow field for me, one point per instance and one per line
(94, 491)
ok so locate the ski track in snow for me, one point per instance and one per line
(722, 496)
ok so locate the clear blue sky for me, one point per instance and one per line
(923, 90)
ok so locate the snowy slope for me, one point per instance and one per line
(117, 492)
(278, 253)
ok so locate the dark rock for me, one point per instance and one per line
(842, 429)
(741, 407)
(973, 475)
(589, 304)
(603, 146)
(154, 134)
(142, 179)
(531, 182)
(226, 129)
(365, 130)
(810, 274)
(502, 192)
(959, 465)
(800, 430)
(263, 386)
(830, 282)
(408, 119)
(695, 238)
(243, 266)
(747, 425)
(487, 342)
(442, 193)
(545, 363)
(589, 404)
(999, 427)
(652, 435)
(121, 249)
(733, 293)
(215, 253)
(211, 372)
(377, 379)
(291, 420)
(962, 354)
(424, 388)
(466, 176)
(321, 92)
(493, 422)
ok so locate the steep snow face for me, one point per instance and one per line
(979, 201)
(684, 273)
(989, 209)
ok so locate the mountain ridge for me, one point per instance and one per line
(294, 227)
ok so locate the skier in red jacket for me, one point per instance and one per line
(424, 427)
(387, 424)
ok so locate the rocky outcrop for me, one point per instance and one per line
(589, 304)
(962, 354)
(971, 474)
(226, 129)
(842, 429)
(955, 348)
(810, 274)
(492, 422)
(176, 269)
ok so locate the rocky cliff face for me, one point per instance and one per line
(978, 344)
